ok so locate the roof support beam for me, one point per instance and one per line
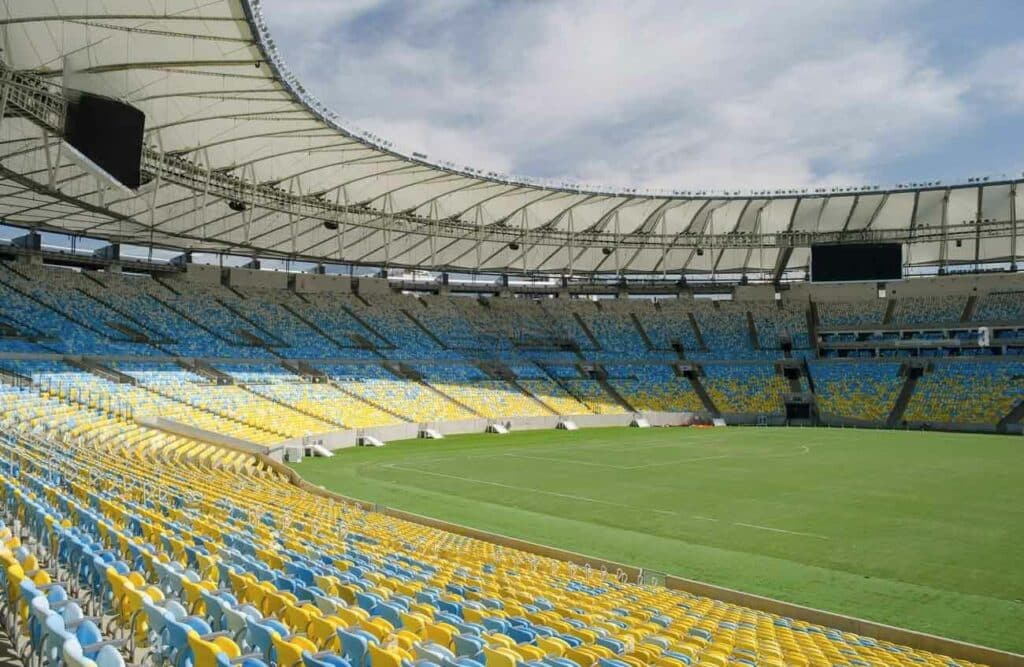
(780, 264)
(1013, 222)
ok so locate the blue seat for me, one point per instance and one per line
(324, 660)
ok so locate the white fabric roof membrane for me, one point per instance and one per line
(226, 122)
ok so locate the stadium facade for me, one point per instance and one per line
(145, 407)
(240, 158)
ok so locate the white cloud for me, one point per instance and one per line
(705, 93)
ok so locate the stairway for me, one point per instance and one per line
(900, 406)
(203, 369)
(197, 323)
(587, 331)
(566, 388)
(422, 327)
(697, 333)
(705, 399)
(969, 308)
(536, 399)
(614, 393)
(133, 335)
(294, 408)
(305, 370)
(890, 310)
(271, 338)
(28, 295)
(143, 333)
(166, 284)
(360, 399)
(100, 370)
(643, 333)
(430, 387)
(755, 341)
(365, 324)
(249, 338)
(807, 374)
(1014, 416)
(812, 327)
(407, 372)
(312, 325)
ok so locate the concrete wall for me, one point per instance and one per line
(205, 274)
(534, 423)
(334, 440)
(258, 279)
(967, 285)
(460, 426)
(373, 286)
(389, 433)
(409, 431)
(226, 441)
(754, 293)
(308, 283)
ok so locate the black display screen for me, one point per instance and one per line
(856, 261)
(108, 132)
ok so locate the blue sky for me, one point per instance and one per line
(709, 93)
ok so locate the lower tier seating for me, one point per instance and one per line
(752, 388)
(211, 562)
(967, 392)
(858, 390)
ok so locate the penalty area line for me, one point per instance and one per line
(780, 530)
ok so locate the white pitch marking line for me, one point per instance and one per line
(668, 463)
(804, 449)
(574, 462)
(780, 530)
(528, 489)
(595, 500)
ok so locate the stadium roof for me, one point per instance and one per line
(227, 124)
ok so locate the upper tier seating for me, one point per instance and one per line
(923, 310)
(200, 303)
(1000, 307)
(774, 323)
(671, 322)
(145, 299)
(851, 314)
(726, 331)
(461, 346)
(270, 309)
(31, 307)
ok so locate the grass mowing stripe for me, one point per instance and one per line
(923, 528)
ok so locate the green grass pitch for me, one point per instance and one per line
(919, 530)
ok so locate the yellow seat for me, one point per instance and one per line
(205, 652)
(552, 646)
(289, 651)
(500, 657)
(381, 657)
